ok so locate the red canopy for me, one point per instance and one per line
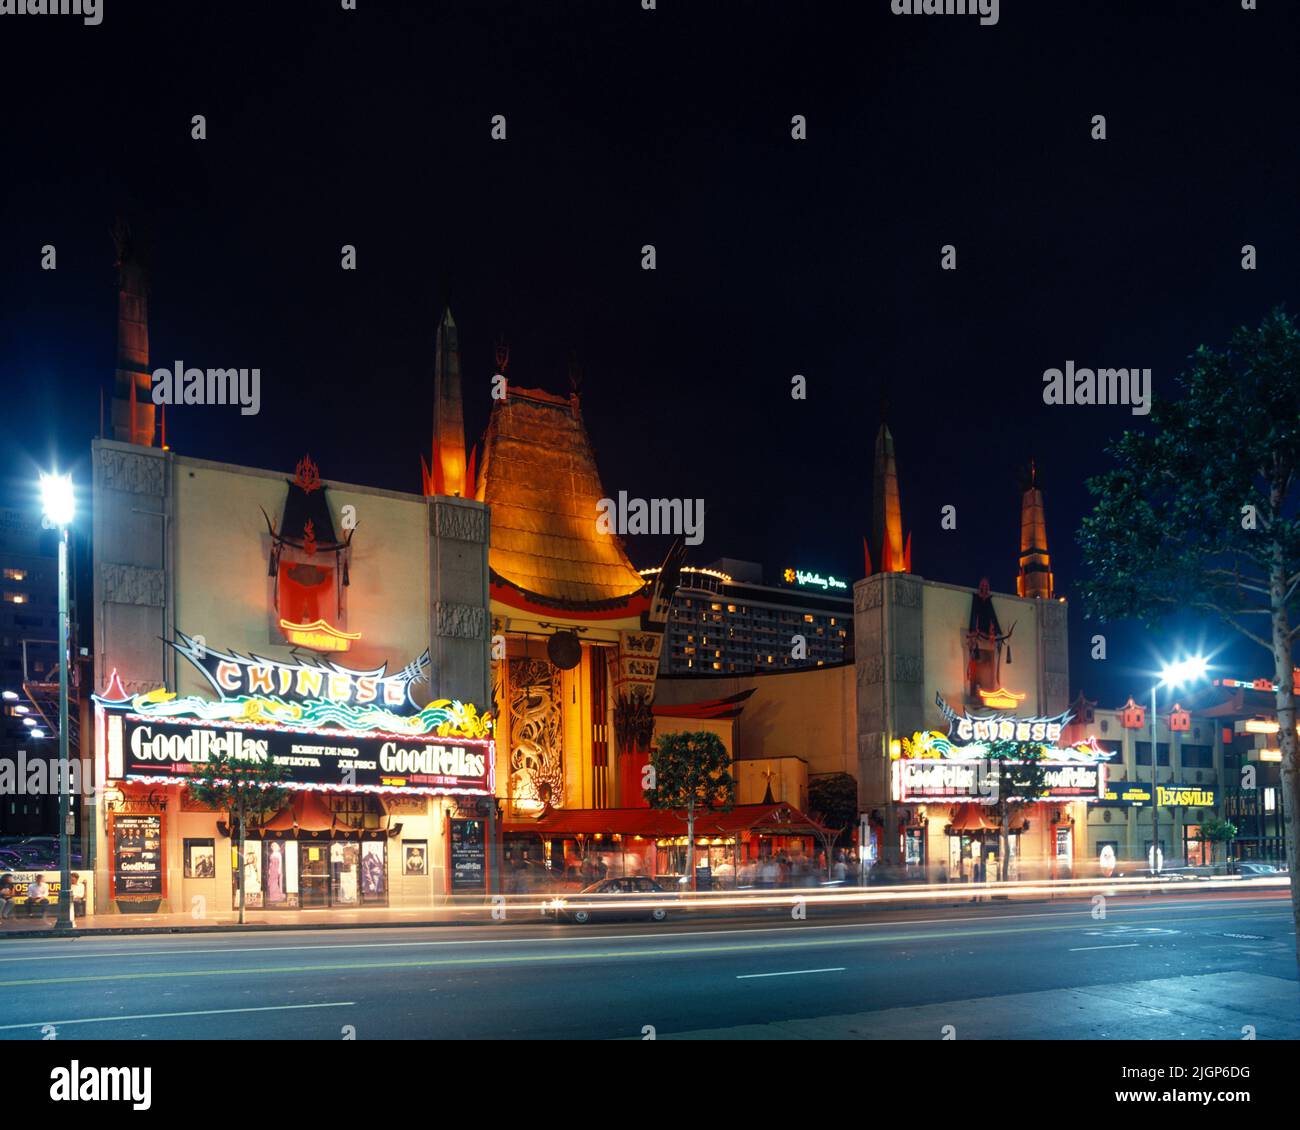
(654, 822)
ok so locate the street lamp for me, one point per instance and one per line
(58, 503)
(1172, 675)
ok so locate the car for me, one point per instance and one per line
(604, 900)
(1253, 870)
(11, 861)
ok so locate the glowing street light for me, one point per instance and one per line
(58, 501)
(1172, 675)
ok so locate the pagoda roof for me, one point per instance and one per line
(539, 477)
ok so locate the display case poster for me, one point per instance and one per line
(468, 858)
(137, 857)
(252, 868)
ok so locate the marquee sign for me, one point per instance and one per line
(329, 727)
(972, 730)
(168, 751)
(233, 675)
(977, 782)
(956, 766)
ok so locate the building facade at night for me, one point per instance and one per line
(725, 619)
(340, 631)
(29, 629)
(939, 671)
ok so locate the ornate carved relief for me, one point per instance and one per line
(460, 621)
(868, 596)
(131, 584)
(459, 522)
(909, 594)
(139, 474)
(909, 668)
(871, 670)
(536, 735)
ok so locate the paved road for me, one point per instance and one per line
(1157, 967)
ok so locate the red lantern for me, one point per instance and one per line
(1132, 716)
(1180, 719)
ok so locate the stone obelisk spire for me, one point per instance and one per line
(449, 473)
(887, 512)
(1035, 578)
(133, 408)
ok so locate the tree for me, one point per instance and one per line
(1200, 513)
(246, 790)
(833, 804)
(691, 771)
(1020, 781)
(1218, 831)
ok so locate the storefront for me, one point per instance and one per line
(336, 633)
(366, 810)
(569, 849)
(994, 779)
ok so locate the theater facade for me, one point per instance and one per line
(335, 630)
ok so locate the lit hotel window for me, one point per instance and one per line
(731, 608)
(16, 597)
(15, 574)
(717, 666)
(807, 619)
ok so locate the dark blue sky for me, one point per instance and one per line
(669, 127)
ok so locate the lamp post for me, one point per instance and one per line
(58, 504)
(1173, 675)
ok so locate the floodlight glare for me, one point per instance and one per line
(57, 500)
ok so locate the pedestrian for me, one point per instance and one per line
(6, 896)
(38, 895)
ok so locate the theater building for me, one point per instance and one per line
(338, 630)
(939, 672)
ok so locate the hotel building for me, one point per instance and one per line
(725, 620)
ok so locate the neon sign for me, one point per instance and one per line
(318, 635)
(813, 580)
(233, 675)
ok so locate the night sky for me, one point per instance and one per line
(775, 257)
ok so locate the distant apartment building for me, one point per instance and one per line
(29, 622)
(725, 620)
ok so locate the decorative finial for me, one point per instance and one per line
(306, 476)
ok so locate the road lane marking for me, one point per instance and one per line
(788, 973)
(961, 933)
(158, 1015)
(1123, 946)
(571, 938)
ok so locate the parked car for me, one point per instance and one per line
(1252, 870)
(603, 900)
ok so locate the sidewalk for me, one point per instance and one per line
(92, 925)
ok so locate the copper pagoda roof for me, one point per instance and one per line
(539, 477)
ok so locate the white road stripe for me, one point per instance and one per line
(788, 973)
(1125, 946)
(158, 1015)
(82, 954)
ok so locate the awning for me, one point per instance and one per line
(770, 819)
(973, 818)
(307, 812)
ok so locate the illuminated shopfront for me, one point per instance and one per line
(337, 632)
